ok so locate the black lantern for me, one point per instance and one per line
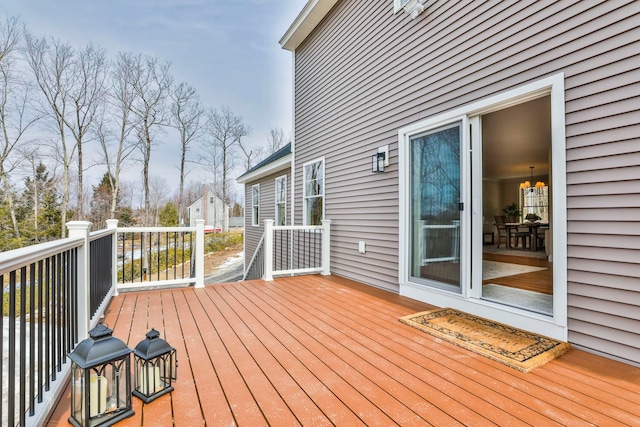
(100, 380)
(377, 162)
(155, 367)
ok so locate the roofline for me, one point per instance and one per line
(273, 167)
(310, 16)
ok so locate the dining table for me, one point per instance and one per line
(533, 226)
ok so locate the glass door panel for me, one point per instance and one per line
(435, 207)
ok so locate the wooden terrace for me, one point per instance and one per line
(323, 350)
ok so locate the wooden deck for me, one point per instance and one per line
(317, 351)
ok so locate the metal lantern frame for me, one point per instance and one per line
(155, 367)
(377, 162)
(100, 380)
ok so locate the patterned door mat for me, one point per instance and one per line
(513, 347)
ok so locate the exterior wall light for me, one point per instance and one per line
(100, 380)
(377, 163)
(155, 367)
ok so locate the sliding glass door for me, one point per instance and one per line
(435, 207)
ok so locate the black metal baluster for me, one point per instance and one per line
(157, 254)
(11, 374)
(73, 309)
(32, 338)
(47, 315)
(277, 251)
(166, 256)
(58, 310)
(64, 304)
(124, 254)
(23, 344)
(183, 255)
(40, 322)
(2, 340)
(175, 254)
(315, 249)
(132, 259)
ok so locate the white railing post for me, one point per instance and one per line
(268, 250)
(326, 247)
(112, 224)
(199, 253)
(80, 229)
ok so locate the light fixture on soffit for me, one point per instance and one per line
(416, 7)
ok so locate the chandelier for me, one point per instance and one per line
(526, 186)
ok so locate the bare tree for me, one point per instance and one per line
(151, 82)
(115, 125)
(157, 197)
(210, 157)
(51, 66)
(276, 139)
(85, 94)
(187, 117)
(15, 117)
(252, 155)
(226, 129)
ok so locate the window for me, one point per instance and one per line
(281, 200)
(313, 192)
(255, 205)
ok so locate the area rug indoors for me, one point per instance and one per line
(495, 269)
(513, 347)
(528, 300)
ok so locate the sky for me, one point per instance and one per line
(227, 50)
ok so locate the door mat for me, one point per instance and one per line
(513, 347)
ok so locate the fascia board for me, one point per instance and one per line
(310, 16)
(273, 167)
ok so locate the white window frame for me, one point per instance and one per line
(554, 326)
(283, 179)
(255, 205)
(305, 198)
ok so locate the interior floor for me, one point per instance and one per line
(536, 281)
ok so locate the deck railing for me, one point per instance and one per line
(296, 249)
(255, 269)
(159, 256)
(54, 293)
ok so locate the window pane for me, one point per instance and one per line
(314, 178)
(435, 211)
(281, 216)
(314, 210)
(281, 190)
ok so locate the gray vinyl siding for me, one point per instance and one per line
(252, 235)
(365, 72)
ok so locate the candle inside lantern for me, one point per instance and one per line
(149, 380)
(97, 395)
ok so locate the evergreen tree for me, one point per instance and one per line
(101, 202)
(169, 215)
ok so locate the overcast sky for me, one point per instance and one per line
(227, 50)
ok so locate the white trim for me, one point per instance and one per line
(292, 171)
(554, 326)
(306, 21)
(273, 167)
(304, 184)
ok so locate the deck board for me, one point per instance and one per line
(324, 350)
